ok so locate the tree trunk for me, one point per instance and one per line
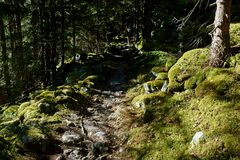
(221, 40)
(54, 36)
(43, 63)
(19, 51)
(97, 31)
(147, 20)
(74, 32)
(137, 8)
(12, 32)
(63, 30)
(4, 56)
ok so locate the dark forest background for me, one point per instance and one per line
(40, 37)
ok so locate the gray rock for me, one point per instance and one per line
(67, 152)
(154, 74)
(60, 157)
(165, 86)
(196, 138)
(70, 123)
(100, 134)
(147, 89)
(74, 117)
(75, 154)
(100, 147)
(70, 137)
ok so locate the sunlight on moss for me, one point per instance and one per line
(235, 34)
(183, 69)
(208, 101)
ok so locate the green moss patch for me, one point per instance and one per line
(235, 34)
(144, 104)
(178, 118)
(162, 76)
(29, 125)
(204, 99)
(218, 82)
(189, 65)
(233, 61)
(152, 86)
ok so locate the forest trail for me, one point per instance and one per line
(99, 134)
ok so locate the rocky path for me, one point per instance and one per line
(100, 134)
(97, 135)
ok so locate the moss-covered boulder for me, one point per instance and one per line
(156, 70)
(46, 107)
(178, 117)
(204, 100)
(9, 112)
(66, 89)
(170, 62)
(152, 86)
(191, 64)
(144, 104)
(162, 76)
(27, 112)
(34, 137)
(45, 94)
(71, 102)
(72, 98)
(218, 81)
(141, 101)
(89, 81)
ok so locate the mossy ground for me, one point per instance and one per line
(235, 34)
(200, 98)
(29, 126)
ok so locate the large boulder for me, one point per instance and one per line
(188, 70)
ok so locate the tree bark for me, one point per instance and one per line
(137, 8)
(221, 39)
(19, 50)
(12, 32)
(63, 31)
(54, 57)
(43, 63)
(4, 56)
(147, 16)
(74, 32)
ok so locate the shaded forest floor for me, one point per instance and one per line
(75, 120)
(104, 128)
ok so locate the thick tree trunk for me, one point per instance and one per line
(221, 40)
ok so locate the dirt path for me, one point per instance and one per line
(98, 135)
